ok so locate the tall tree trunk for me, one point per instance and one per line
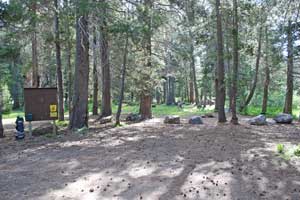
(193, 67)
(145, 104)
(191, 88)
(68, 70)
(1, 124)
(95, 74)
(267, 76)
(221, 81)
(170, 90)
(35, 70)
(104, 48)
(216, 87)
(190, 6)
(58, 65)
(234, 119)
(79, 117)
(252, 90)
(288, 105)
(123, 75)
(228, 70)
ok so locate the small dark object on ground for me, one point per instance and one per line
(153, 105)
(20, 128)
(283, 118)
(208, 115)
(195, 120)
(172, 119)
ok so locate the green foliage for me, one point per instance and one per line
(280, 148)
(62, 123)
(288, 152)
(271, 111)
(297, 151)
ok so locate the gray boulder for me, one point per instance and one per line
(195, 120)
(283, 118)
(258, 120)
(172, 119)
(132, 117)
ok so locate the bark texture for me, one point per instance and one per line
(170, 90)
(145, 104)
(1, 125)
(234, 118)
(79, 117)
(123, 76)
(59, 77)
(105, 65)
(288, 105)
(267, 76)
(35, 70)
(95, 75)
(221, 81)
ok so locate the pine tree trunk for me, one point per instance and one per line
(123, 76)
(105, 65)
(68, 59)
(95, 75)
(145, 104)
(194, 75)
(267, 77)
(252, 91)
(35, 70)
(221, 81)
(170, 90)
(234, 119)
(216, 87)
(1, 124)
(79, 117)
(288, 106)
(229, 68)
(191, 88)
(58, 65)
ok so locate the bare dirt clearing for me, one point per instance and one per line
(151, 160)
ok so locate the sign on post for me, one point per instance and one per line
(40, 104)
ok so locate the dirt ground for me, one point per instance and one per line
(151, 160)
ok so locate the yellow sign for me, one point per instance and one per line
(53, 108)
(53, 114)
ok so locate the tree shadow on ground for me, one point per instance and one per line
(155, 161)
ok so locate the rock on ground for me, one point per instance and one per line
(258, 120)
(132, 117)
(195, 120)
(172, 119)
(283, 118)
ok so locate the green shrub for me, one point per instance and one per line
(280, 148)
(297, 151)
